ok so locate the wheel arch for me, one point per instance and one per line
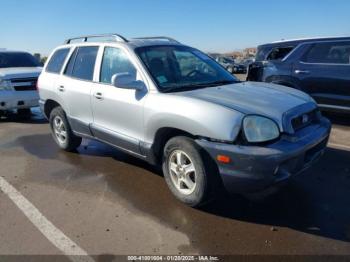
(161, 137)
(49, 106)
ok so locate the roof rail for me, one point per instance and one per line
(117, 38)
(158, 38)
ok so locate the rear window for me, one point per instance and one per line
(17, 59)
(56, 62)
(82, 63)
(328, 53)
(278, 53)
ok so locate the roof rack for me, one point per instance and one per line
(157, 38)
(117, 38)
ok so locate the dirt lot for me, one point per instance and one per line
(108, 203)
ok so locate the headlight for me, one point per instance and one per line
(259, 129)
(5, 85)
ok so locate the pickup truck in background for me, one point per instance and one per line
(19, 72)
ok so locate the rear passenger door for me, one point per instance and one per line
(49, 79)
(76, 85)
(118, 112)
(324, 73)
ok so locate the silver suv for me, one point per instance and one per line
(175, 107)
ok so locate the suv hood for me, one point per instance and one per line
(253, 98)
(19, 72)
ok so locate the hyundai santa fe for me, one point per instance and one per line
(173, 106)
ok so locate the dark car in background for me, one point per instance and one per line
(231, 65)
(318, 66)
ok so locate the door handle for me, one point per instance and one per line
(98, 95)
(300, 72)
(61, 88)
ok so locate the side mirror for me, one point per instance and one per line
(126, 81)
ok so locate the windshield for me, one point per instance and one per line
(177, 68)
(13, 59)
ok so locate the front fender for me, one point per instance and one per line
(199, 118)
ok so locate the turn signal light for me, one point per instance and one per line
(223, 159)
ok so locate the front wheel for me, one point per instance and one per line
(62, 132)
(185, 172)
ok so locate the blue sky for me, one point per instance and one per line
(210, 25)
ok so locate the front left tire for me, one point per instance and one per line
(187, 172)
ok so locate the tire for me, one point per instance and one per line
(230, 70)
(201, 192)
(24, 112)
(62, 132)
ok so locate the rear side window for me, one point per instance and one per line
(70, 65)
(56, 62)
(328, 53)
(262, 53)
(278, 53)
(82, 63)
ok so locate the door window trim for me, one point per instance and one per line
(100, 60)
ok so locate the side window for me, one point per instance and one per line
(115, 61)
(70, 64)
(279, 53)
(328, 53)
(158, 62)
(82, 63)
(262, 53)
(56, 62)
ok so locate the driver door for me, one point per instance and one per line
(117, 112)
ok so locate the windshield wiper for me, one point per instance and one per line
(211, 84)
(201, 85)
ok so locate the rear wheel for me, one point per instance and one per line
(62, 132)
(185, 172)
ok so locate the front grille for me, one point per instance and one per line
(305, 119)
(24, 84)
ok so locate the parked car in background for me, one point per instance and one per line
(231, 66)
(19, 73)
(247, 62)
(175, 107)
(319, 67)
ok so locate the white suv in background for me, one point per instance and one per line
(19, 72)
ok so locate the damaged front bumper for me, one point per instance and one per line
(256, 168)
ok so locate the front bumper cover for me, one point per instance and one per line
(18, 99)
(256, 168)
